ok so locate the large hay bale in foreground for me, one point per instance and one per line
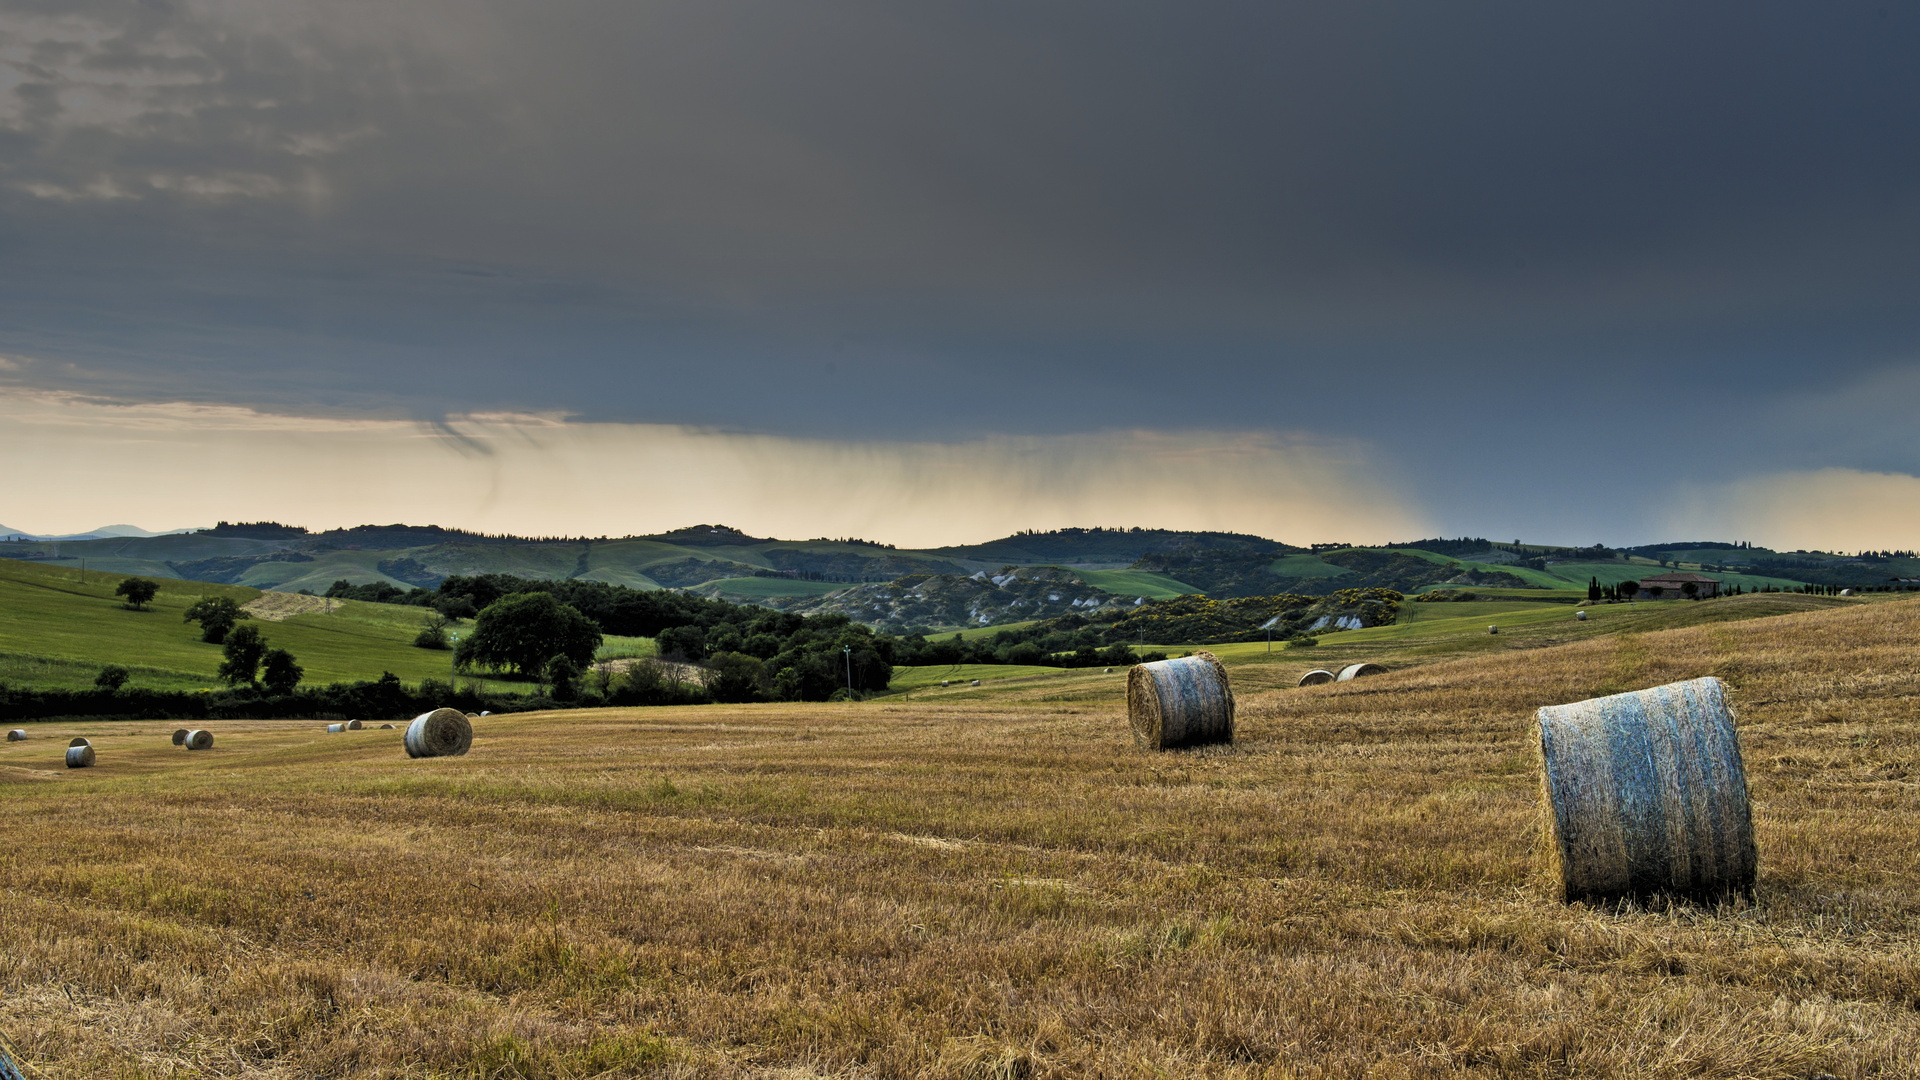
(199, 739)
(440, 733)
(17, 735)
(1645, 794)
(80, 757)
(1315, 677)
(1355, 671)
(1181, 702)
(179, 736)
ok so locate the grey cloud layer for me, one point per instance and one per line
(942, 219)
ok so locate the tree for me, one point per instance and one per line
(524, 631)
(561, 674)
(1629, 589)
(736, 677)
(138, 592)
(279, 671)
(216, 615)
(111, 678)
(433, 635)
(1593, 590)
(1692, 590)
(245, 649)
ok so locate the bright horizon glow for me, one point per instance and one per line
(79, 461)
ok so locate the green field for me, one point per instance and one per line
(1305, 566)
(1136, 583)
(57, 633)
(1613, 573)
(749, 589)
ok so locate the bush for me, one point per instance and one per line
(111, 678)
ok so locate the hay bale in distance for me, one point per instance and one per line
(80, 757)
(1493, 629)
(200, 739)
(1181, 702)
(440, 733)
(975, 682)
(1580, 615)
(1315, 677)
(1846, 592)
(79, 742)
(180, 736)
(1355, 671)
(335, 729)
(17, 735)
(354, 725)
(1645, 793)
(386, 727)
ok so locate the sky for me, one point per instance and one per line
(933, 272)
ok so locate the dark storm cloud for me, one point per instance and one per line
(1412, 222)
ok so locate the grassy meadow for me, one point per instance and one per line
(58, 632)
(989, 884)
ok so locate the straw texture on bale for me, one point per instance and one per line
(17, 735)
(1181, 702)
(1354, 671)
(200, 739)
(1644, 793)
(440, 733)
(1316, 677)
(354, 725)
(79, 757)
(180, 736)
(79, 742)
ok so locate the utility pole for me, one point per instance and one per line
(848, 649)
(453, 664)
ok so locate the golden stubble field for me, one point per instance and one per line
(979, 888)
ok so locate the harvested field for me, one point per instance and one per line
(277, 606)
(976, 887)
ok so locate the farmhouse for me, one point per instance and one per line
(1675, 585)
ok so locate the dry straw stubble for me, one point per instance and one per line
(1186, 701)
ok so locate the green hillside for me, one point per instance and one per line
(1136, 583)
(56, 632)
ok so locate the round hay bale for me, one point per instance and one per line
(1108, 671)
(335, 729)
(1493, 629)
(386, 727)
(1580, 615)
(80, 757)
(200, 739)
(1645, 793)
(484, 712)
(472, 717)
(1355, 671)
(1181, 702)
(440, 733)
(975, 682)
(79, 742)
(180, 736)
(1846, 592)
(17, 735)
(1315, 677)
(354, 725)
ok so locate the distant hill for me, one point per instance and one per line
(941, 588)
